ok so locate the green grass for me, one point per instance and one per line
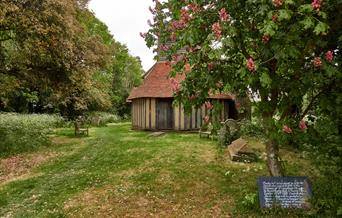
(119, 172)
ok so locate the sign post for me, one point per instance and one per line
(285, 192)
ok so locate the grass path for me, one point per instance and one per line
(117, 172)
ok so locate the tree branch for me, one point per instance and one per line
(315, 98)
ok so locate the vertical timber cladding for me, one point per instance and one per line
(176, 117)
(143, 112)
(165, 114)
(135, 113)
(198, 117)
(193, 118)
(181, 117)
(204, 113)
(138, 114)
(153, 113)
(184, 121)
(187, 120)
(147, 113)
(132, 112)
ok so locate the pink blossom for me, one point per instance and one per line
(173, 37)
(329, 56)
(302, 125)
(211, 66)
(195, 8)
(316, 4)
(163, 47)
(177, 58)
(208, 105)
(265, 39)
(178, 25)
(224, 16)
(206, 119)
(216, 28)
(250, 65)
(275, 18)
(175, 85)
(317, 62)
(277, 3)
(149, 22)
(192, 97)
(287, 129)
(185, 15)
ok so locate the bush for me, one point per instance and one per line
(249, 128)
(24, 132)
(101, 118)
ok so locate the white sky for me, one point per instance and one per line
(125, 19)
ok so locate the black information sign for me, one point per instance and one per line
(286, 192)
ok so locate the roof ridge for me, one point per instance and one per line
(151, 69)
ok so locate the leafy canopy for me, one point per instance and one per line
(277, 52)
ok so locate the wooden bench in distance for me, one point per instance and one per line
(206, 131)
(81, 128)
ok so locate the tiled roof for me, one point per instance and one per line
(156, 84)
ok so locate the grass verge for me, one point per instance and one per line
(119, 172)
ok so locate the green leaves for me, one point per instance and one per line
(289, 2)
(265, 80)
(65, 54)
(305, 8)
(308, 22)
(284, 14)
(269, 28)
(321, 28)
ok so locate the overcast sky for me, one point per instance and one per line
(125, 19)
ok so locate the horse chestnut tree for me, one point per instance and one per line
(277, 52)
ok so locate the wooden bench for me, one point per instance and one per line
(206, 131)
(80, 127)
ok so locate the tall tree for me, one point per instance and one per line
(127, 73)
(57, 55)
(46, 47)
(278, 52)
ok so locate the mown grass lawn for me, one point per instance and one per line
(118, 172)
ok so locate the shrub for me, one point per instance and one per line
(101, 118)
(23, 132)
(249, 128)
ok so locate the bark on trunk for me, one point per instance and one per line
(273, 162)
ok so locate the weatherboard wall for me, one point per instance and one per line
(149, 114)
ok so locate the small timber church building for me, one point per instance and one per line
(152, 107)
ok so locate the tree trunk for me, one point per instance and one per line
(273, 163)
(272, 150)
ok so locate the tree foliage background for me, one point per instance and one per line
(56, 56)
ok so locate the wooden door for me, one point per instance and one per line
(164, 114)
